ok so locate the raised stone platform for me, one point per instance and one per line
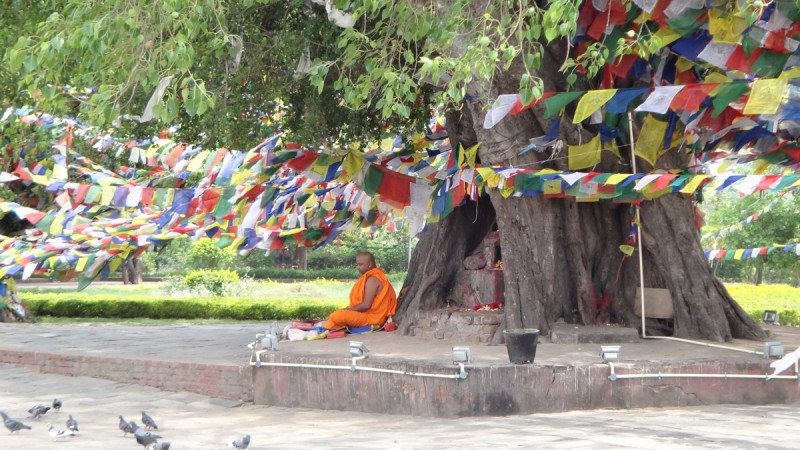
(400, 374)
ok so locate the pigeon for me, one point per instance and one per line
(148, 421)
(159, 446)
(38, 411)
(127, 427)
(72, 424)
(56, 404)
(241, 443)
(58, 433)
(11, 424)
(145, 438)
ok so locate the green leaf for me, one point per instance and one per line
(402, 110)
(526, 95)
(571, 78)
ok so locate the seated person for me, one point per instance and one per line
(372, 299)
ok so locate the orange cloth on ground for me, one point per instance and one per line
(383, 306)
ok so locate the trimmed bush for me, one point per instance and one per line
(275, 273)
(81, 305)
(214, 281)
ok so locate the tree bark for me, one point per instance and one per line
(301, 258)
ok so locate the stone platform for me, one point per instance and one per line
(403, 374)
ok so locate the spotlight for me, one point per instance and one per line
(462, 355)
(771, 317)
(270, 342)
(773, 349)
(358, 350)
(609, 352)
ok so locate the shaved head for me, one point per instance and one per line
(365, 261)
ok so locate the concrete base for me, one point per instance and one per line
(508, 390)
(213, 360)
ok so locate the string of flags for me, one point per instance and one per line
(750, 253)
(750, 219)
(712, 82)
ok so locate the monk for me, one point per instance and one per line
(372, 299)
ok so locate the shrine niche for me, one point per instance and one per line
(479, 283)
(474, 308)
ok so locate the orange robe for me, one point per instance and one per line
(383, 306)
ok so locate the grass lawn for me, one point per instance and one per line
(328, 294)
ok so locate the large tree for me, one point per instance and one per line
(382, 63)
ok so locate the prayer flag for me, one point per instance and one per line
(557, 102)
(584, 156)
(658, 101)
(591, 102)
(649, 144)
(765, 97)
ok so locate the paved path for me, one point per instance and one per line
(196, 422)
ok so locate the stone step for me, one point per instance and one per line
(455, 337)
(565, 333)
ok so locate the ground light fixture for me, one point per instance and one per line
(609, 352)
(773, 349)
(462, 355)
(358, 351)
(772, 317)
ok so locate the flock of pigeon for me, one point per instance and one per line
(143, 436)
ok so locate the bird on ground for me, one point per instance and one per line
(159, 446)
(127, 427)
(148, 421)
(58, 433)
(145, 438)
(72, 424)
(11, 424)
(38, 411)
(241, 443)
(56, 404)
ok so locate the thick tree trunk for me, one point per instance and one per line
(301, 258)
(131, 271)
(561, 258)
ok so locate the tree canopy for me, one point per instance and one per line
(344, 91)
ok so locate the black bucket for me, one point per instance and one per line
(521, 344)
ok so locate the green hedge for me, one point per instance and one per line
(782, 298)
(275, 273)
(80, 305)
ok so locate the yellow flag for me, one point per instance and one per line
(725, 27)
(583, 156)
(470, 154)
(552, 186)
(765, 96)
(351, 165)
(794, 72)
(591, 102)
(666, 36)
(617, 178)
(491, 177)
(692, 185)
(59, 172)
(108, 195)
(649, 145)
(197, 161)
(738, 253)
